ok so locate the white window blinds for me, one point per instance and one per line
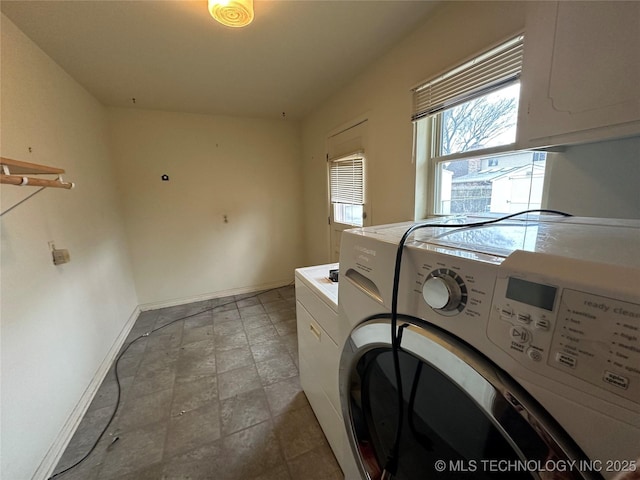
(346, 176)
(488, 71)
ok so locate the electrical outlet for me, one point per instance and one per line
(60, 256)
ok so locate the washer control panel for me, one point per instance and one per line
(457, 290)
(588, 336)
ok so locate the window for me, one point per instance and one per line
(346, 178)
(466, 124)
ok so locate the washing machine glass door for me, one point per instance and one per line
(462, 417)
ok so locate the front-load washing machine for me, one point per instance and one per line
(514, 351)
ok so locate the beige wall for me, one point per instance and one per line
(58, 324)
(596, 180)
(246, 169)
(453, 32)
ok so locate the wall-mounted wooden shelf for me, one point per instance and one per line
(13, 171)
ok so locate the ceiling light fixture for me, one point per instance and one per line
(232, 13)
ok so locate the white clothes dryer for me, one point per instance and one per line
(517, 349)
(319, 356)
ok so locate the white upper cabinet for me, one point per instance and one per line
(581, 73)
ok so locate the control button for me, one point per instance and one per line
(436, 292)
(520, 335)
(566, 360)
(534, 354)
(506, 312)
(524, 317)
(444, 290)
(616, 380)
(542, 324)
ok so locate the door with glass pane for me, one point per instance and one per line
(346, 171)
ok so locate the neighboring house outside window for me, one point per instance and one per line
(487, 187)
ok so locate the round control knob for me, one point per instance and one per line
(442, 292)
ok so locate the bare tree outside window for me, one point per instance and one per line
(483, 122)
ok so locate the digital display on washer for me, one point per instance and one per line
(535, 294)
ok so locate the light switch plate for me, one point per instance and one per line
(60, 256)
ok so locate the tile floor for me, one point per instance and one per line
(216, 396)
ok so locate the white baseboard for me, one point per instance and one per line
(51, 459)
(208, 296)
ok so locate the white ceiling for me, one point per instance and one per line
(171, 55)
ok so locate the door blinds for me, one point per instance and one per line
(346, 176)
(488, 71)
